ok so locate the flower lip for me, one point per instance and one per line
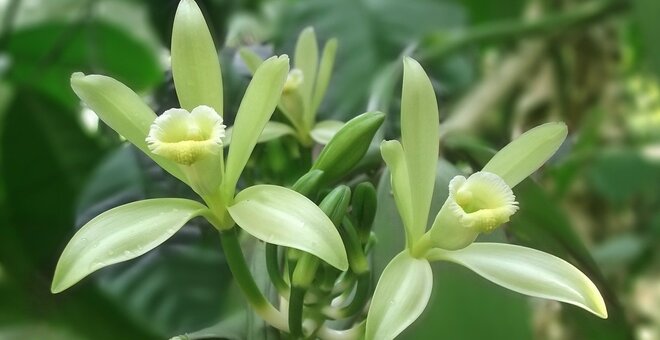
(483, 201)
(185, 137)
(293, 80)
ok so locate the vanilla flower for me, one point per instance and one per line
(185, 137)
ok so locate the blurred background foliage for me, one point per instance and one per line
(498, 67)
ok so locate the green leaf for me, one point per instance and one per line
(645, 13)
(195, 64)
(42, 60)
(420, 140)
(306, 59)
(325, 72)
(402, 293)
(528, 271)
(400, 182)
(323, 131)
(123, 110)
(256, 108)
(284, 217)
(527, 153)
(121, 234)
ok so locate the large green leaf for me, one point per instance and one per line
(645, 12)
(284, 217)
(121, 234)
(46, 158)
(42, 59)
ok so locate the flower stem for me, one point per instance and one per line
(238, 266)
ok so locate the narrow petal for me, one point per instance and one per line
(325, 72)
(527, 153)
(395, 159)
(195, 63)
(402, 293)
(256, 108)
(528, 271)
(420, 139)
(306, 59)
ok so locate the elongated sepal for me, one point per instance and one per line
(284, 217)
(420, 138)
(335, 204)
(323, 131)
(392, 153)
(123, 110)
(402, 293)
(195, 64)
(528, 271)
(306, 59)
(348, 145)
(256, 108)
(527, 153)
(121, 234)
(324, 74)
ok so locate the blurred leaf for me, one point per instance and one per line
(619, 175)
(46, 159)
(179, 286)
(379, 30)
(542, 225)
(45, 56)
(645, 11)
(460, 299)
(481, 11)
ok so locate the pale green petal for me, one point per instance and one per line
(325, 72)
(402, 293)
(121, 234)
(272, 130)
(284, 217)
(195, 63)
(527, 153)
(395, 159)
(306, 59)
(123, 110)
(250, 58)
(528, 271)
(256, 108)
(420, 139)
(323, 131)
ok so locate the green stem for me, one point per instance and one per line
(510, 30)
(274, 271)
(244, 279)
(359, 299)
(296, 302)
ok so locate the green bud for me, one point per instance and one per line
(335, 204)
(309, 183)
(348, 146)
(364, 207)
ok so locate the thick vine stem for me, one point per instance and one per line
(245, 281)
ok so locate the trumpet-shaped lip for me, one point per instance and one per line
(293, 80)
(185, 137)
(482, 201)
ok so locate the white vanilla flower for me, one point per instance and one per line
(185, 137)
(482, 201)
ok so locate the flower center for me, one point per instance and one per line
(185, 137)
(483, 201)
